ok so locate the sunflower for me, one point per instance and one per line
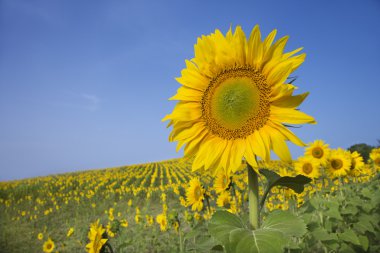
(48, 246)
(70, 232)
(375, 157)
(356, 164)
(222, 181)
(307, 166)
(319, 151)
(195, 194)
(162, 220)
(339, 163)
(95, 235)
(235, 101)
(40, 236)
(224, 199)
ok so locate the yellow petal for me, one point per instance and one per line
(290, 116)
(255, 48)
(287, 133)
(290, 101)
(237, 153)
(279, 146)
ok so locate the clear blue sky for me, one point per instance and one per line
(84, 84)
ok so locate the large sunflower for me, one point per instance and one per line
(195, 194)
(356, 164)
(319, 150)
(307, 166)
(375, 157)
(235, 101)
(339, 163)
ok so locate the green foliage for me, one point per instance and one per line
(273, 179)
(346, 222)
(363, 149)
(277, 230)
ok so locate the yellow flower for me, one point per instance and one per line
(222, 181)
(339, 163)
(235, 101)
(95, 235)
(319, 151)
(224, 200)
(162, 220)
(70, 232)
(48, 246)
(40, 236)
(375, 157)
(307, 166)
(356, 164)
(176, 226)
(195, 194)
(124, 223)
(182, 201)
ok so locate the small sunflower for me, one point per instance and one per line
(319, 151)
(163, 221)
(307, 166)
(356, 164)
(235, 101)
(48, 246)
(95, 235)
(40, 236)
(224, 200)
(70, 232)
(195, 194)
(222, 181)
(339, 163)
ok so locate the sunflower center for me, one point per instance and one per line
(307, 168)
(236, 103)
(197, 193)
(317, 152)
(336, 164)
(377, 161)
(49, 246)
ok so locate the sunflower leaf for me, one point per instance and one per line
(273, 236)
(273, 179)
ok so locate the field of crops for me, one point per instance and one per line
(150, 208)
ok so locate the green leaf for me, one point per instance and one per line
(349, 236)
(295, 183)
(206, 244)
(222, 224)
(346, 248)
(322, 235)
(256, 241)
(350, 210)
(273, 236)
(286, 223)
(364, 242)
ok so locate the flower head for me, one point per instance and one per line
(48, 246)
(195, 194)
(235, 101)
(95, 235)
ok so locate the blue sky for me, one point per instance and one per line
(84, 84)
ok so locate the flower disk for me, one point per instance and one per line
(234, 101)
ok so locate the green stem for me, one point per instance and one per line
(180, 240)
(253, 197)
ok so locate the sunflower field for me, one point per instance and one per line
(164, 207)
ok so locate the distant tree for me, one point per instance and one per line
(363, 149)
